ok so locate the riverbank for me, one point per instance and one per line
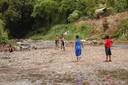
(58, 67)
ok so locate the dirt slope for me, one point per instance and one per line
(97, 25)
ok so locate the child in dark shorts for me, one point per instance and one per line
(108, 42)
(62, 42)
(56, 42)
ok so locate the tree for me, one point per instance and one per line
(120, 5)
(17, 16)
(45, 12)
(3, 33)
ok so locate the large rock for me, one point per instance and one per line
(101, 10)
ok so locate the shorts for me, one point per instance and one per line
(62, 43)
(56, 42)
(108, 51)
(78, 52)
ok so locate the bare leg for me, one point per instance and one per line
(77, 59)
(63, 48)
(55, 47)
(109, 57)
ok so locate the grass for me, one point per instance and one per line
(88, 30)
(71, 30)
(122, 29)
(35, 37)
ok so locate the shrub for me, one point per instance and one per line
(122, 32)
(74, 16)
(69, 30)
(120, 5)
(3, 34)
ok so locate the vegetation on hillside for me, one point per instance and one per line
(3, 33)
(122, 31)
(69, 30)
(16, 14)
(24, 18)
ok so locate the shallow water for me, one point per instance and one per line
(120, 45)
(23, 82)
(42, 79)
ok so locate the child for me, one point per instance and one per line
(56, 42)
(108, 42)
(78, 47)
(62, 42)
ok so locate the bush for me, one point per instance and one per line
(120, 5)
(74, 16)
(69, 30)
(3, 34)
(122, 32)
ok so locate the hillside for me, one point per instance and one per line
(41, 17)
(113, 23)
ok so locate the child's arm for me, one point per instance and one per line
(75, 44)
(111, 42)
(104, 43)
(82, 44)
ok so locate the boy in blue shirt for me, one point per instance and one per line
(78, 47)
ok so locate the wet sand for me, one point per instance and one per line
(58, 67)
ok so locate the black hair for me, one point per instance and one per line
(77, 36)
(106, 36)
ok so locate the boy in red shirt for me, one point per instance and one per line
(108, 42)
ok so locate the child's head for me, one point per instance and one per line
(106, 36)
(77, 36)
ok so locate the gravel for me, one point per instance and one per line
(57, 67)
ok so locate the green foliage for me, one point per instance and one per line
(110, 3)
(47, 10)
(16, 15)
(3, 6)
(3, 34)
(85, 30)
(35, 37)
(67, 5)
(44, 7)
(30, 17)
(120, 5)
(122, 32)
(70, 29)
(74, 16)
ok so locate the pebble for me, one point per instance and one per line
(56, 65)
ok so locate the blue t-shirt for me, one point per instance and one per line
(78, 44)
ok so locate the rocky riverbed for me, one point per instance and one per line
(57, 67)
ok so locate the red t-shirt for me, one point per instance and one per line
(108, 43)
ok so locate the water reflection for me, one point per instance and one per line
(79, 78)
(40, 79)
(120, 45)
(109, 79)
(23, 82)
